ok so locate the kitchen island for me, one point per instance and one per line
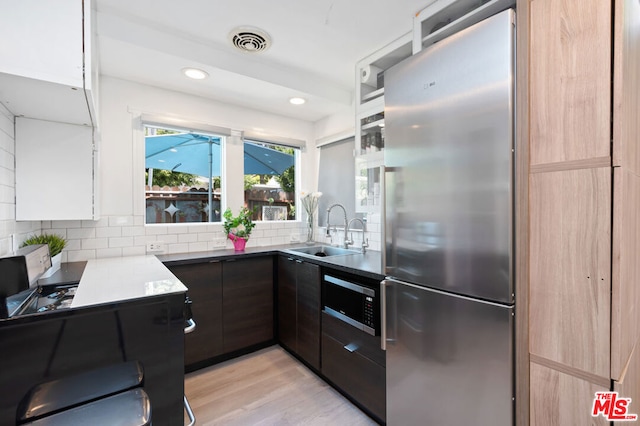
(125, 310)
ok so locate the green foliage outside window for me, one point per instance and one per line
(287, 179)
(169, 178)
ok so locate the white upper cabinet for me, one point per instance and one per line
(46, 61)
(369, 147)
(56, 171)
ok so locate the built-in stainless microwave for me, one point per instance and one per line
(352, 303)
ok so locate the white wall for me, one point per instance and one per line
(336, 127)
(8, 224)
(121, 231)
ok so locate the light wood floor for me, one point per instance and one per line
(268, 387)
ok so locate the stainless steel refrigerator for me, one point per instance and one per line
(448, 301)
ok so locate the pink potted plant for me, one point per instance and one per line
(238, 228)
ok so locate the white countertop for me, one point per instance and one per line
(124, 278)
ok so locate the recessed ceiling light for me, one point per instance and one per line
(195, 73)
(297, 101)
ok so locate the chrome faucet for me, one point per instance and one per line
(346, 225)
(365, 242)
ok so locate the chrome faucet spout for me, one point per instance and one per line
(364, 231)
(344, 211)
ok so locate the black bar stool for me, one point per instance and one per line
(111, 395)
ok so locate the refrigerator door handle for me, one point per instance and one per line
(383, 316)
(389, 180)
(383, 212)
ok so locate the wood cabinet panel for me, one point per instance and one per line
(357, 370)
(299, 308)
(247, 302)
(570, 80)
(626, 85)
(625, 288)
(308, 304)
(204, 281)
(570, 261)
(368, 345)
(287, 310)
(629, 386)
(558, 399)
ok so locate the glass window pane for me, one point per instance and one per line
(182, 176)
(269, 180)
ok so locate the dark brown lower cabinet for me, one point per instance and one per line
(232, 306)
(353, 361)
(299, 308)
(247, 302)
(204, 281)
(287, 309)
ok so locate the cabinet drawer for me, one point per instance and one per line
(361, 378)
(368, 346)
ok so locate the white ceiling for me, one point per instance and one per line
(316, 45)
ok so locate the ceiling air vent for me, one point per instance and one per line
(249, 39)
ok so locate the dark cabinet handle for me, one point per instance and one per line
(214, 261)
(231, 260)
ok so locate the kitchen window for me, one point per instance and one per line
(270, 180)
(183, 179)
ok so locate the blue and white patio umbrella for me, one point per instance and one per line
(200, 155)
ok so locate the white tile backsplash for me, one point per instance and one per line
(10, 230)
(93, 243)
(120, 242)
(109, 252)
(109, 238)
(110, 231)
(76, 233)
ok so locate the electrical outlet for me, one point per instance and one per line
(219, 242)
(155, 246)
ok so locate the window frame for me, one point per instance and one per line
(297, 154)
(174, 203)
(231, 181)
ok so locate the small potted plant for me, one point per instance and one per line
(56, 244)
(238, 228)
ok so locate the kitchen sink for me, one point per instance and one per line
(324, 251)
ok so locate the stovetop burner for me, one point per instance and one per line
(46, 299)
(63, 300)
(62, 293)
